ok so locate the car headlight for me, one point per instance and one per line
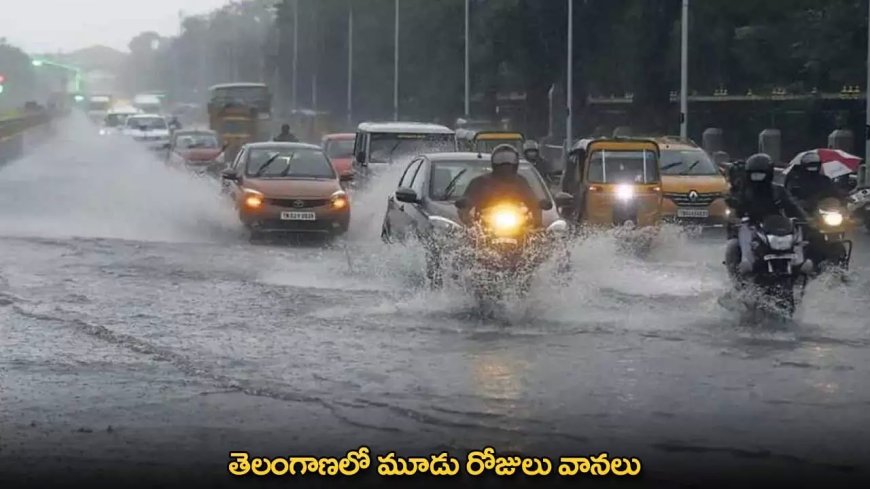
(253, 199)
(624, 192)
(832, 218)
(559, 226)
(443, 224)
(339, 200)
(780, 243)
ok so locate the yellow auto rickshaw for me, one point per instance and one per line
(485, 141)
(615, 182)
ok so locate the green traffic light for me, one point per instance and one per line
(1, 88)
(37, 62)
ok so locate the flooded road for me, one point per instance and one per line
(140, 327)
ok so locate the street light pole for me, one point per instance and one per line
(684, 74)
(295, 49)
(349, 63)
(865, 175)
(396, 67)
(467, 62)
(569, 99)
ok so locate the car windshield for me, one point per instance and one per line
(236, 126)
(622, 167)
(386, 147)
(200, 140)
(146, 123)
(288, 163)
(686, 162)
(339, 148)
(445, 172)
(487, 145)
(99, 104)
(115, 120)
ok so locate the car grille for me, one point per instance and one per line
(683, 200)
(294, 203)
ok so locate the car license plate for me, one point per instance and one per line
(693, 213)
(298, 216)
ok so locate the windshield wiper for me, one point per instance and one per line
(390, 154)
(448, 190)
(671, 165)
(690, 168)
(266, 164)
(287, 170)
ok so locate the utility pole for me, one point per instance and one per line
(467, 62)
(295, 51)
(396, 67)
(684, 74)
(349, 63)
(865, 175)
(569, 99)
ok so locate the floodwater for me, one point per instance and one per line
(138, 324)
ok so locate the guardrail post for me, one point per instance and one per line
(770, 142)
(713, 140)
(842, 139)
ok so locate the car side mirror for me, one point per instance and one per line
(229, 175)
(564, 199)
(546, 204)
(347, 177)
(461, 204)
(405, 194)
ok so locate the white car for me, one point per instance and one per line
(113, 122)
(150, 129)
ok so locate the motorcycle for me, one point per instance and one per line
(777, 272)
(501, 248)
(828, 243)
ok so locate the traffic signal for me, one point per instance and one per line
(2, 79)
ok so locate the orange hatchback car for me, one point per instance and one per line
(287, 188)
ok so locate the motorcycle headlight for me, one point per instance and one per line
(624, 192)
(443, 224)
(505, 220)
(780, 243)
(559, 226)
(832, 218)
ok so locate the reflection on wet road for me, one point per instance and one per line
(136, 318)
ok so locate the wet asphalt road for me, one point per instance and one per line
(139, 327)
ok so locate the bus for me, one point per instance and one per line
(231, 103)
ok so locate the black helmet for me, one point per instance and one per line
(810, 162)
(505, 154)
(759, 168)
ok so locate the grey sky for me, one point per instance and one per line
(51, 25)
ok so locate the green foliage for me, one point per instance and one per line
(621, 46)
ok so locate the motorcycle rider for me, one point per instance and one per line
(532, 154)
(810, 185)
(756, 198)
(504, 183)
